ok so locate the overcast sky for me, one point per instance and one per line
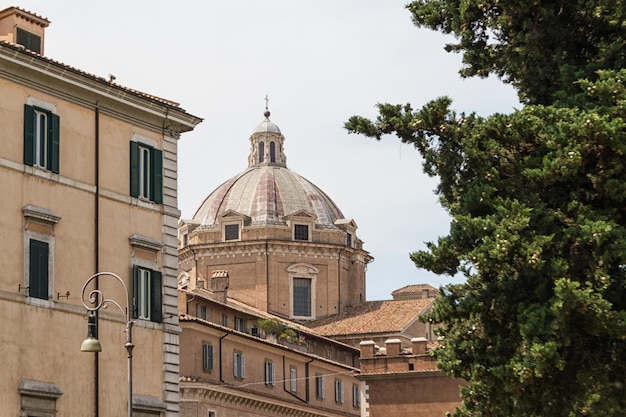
(320, 62)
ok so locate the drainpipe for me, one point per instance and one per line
(288, 391)
(306, 378)
(220, 344)
(97, 250)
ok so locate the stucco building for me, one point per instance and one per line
(239, 361)
(89, 182)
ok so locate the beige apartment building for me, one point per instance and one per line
(238, 361)
(88, 173)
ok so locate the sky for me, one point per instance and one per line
(319, 62)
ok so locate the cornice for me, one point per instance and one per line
(234, 397)
(103, 90)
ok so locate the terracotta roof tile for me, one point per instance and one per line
(91, 76)
(373, 317)
(417, 288)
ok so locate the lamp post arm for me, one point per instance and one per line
(93, 301)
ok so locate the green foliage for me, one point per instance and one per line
(271, 326)
(540, 46)
(537, 199)
(537, 203)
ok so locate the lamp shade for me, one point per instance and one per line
(91, 344)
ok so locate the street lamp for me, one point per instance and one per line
(95, 301)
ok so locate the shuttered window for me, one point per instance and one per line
(207, 356)
(147, 295)
(146, 172)
(38, 269)
(41, 138)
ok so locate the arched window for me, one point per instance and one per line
(272, 152)
(261, 151)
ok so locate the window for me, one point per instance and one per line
(319, 387)
(338, 391)
(147, 298)
(38, 269)
(212, 414)
(293, 378)
(300, 232)
(302, 297)
(231, 232)
(349, 239)
(207, 356)
(356, 396)
(240, 324)
(201, 311)
(270, 373)
(39, 251)
(29, 40)
(272, 152)
(146, 172)
(224, 319)
(41, 138)
(261, 151)
(239, 365)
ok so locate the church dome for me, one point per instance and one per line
(267, 191)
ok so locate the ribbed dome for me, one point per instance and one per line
(267, 194)
(268, 191)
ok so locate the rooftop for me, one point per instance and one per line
(386, 316)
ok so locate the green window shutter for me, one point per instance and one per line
(38, 263)
(157, 299)
(29, 135)
(29, 40)
(134, 169)
(53, 143)
(156, 193)
(135, 290)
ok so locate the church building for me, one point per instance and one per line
(287, 247)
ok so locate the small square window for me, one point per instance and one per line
(231, 232)
(301, 232)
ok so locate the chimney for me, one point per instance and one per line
(368, 348)
(23, 28)
(393, 347)
(419, 345)
(219, 285)
(425, 293)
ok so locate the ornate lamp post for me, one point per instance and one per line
(95, 301)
